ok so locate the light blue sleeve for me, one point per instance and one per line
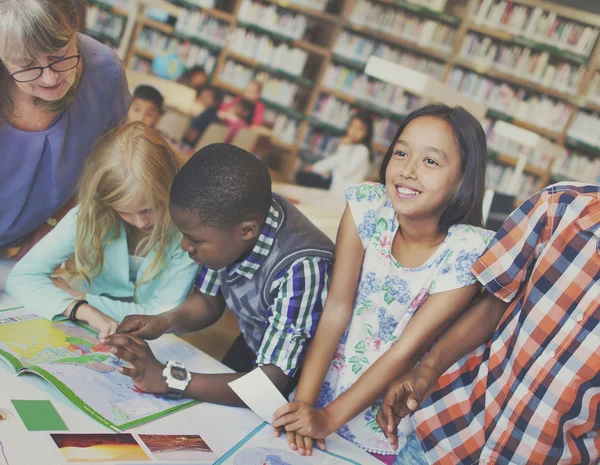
(29, 282)
(173, 286)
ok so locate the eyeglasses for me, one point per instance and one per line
(59, 66)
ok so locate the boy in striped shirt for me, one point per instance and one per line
(259, 256)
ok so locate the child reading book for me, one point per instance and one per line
(125, 248)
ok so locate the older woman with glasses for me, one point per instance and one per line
(59, 92)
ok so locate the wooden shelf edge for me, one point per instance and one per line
(162, 27)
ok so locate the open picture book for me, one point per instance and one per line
(70, 357)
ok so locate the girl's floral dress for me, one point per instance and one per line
(387, 297)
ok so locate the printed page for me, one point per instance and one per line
(261, 448)
(70, 357)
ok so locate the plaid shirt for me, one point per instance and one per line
(300, 293)
(532, 394)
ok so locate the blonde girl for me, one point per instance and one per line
(126, 253)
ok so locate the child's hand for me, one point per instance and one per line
(144, 369)
(402, 397)
(303, 419)
(144, 326)
(304, 445)
(102, 323)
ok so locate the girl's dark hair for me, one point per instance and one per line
(466, 206)
(365, 118)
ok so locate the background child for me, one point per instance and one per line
(240, 116)
(126, 249)
(252, 93)
(260, 256)
(351, 162)
(210, 98)
(402, 274)
(147, 107)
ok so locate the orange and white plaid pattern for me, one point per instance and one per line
(532, 394)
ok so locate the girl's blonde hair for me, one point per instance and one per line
(28, 29)
(127, 162)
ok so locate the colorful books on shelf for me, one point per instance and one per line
(70, 357)
(354, 46)
(273, 18)
(419, 63)
(260, 47)
(157, 43)
(383, 97)
(594, 90)
(198, 3)
(573, 166)
(584, 128)
(331, 111)
(285, 128)
(103, 24)
(537, 24)
(485, 54)
(275, 90)
(318, 145)
(510, 100)
(404, 25)
(202, 26)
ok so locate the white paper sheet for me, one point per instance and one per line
(259, 394)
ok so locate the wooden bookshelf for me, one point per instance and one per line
(459, 15)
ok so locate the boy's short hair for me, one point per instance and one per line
(225, 185)
(149, 94)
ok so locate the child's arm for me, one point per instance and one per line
(196, 312)
(349, 254)
(434, 316)
(173, 286)
(475, 327)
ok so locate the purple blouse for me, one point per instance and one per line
(40, 170)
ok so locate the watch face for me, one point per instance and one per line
(178, 373)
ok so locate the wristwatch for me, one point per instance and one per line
(177, 377)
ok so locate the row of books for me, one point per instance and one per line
(576, 167)
(505, 180)
(513, 101)
(273, 18)
(501, 144)
(425, 65)
(437, 5)
(354, 46)
(274, 89)
(318, 144)
(199, 24)
(140, 64)
(360, 86)
(522, 62)
(585, 128)
(594, 91)
(318, 5)
(201, 3)
(189, 54)
(285, 128)
(403, 24)
(333, 112)
(537, 24)
(261, 48)
(415, 29)
(104, 22)
(384, 130)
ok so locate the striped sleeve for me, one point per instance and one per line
(300, 294)
(208, 282)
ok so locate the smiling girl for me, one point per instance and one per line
(401, 276)
(126, 253)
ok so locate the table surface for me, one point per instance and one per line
(221, 427)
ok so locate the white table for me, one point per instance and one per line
(221, 427)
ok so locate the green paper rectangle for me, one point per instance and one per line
(39, 415)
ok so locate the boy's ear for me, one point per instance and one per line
(249, 230)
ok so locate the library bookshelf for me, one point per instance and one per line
(534, 64)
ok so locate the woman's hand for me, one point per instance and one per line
(304, 419)
(102, 323)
